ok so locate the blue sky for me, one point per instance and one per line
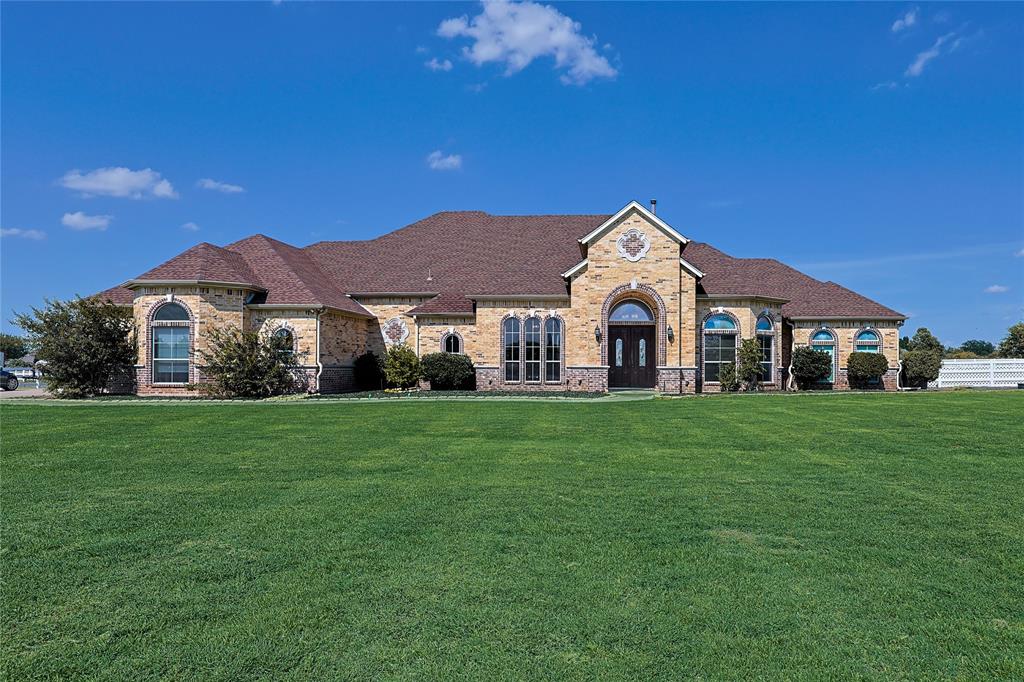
(877, 145)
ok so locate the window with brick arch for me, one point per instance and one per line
(452, 344)
(171, 336)
(553, 350)
(765, 332)
(510, 349)
(719, 345)
(532, 349)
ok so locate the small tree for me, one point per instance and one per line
(13, 347)
(85, 344)
(368, 372)
(925, 340)
(1013, 345)
(921, 366)
(245, 364)
(810, 366)
(447, 371)
(401, 366)
(748, 369)
(727, 378)
(864, 369)
(980, 349)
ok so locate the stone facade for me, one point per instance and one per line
(635, 258)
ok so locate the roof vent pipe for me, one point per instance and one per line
(654, 206)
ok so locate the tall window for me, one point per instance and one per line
(553, 350)
(452, 344)
(868, 342)
(170, 334)
(510, 342)
(823, 340)
(719, 345)
(765, 333)
(532, 349)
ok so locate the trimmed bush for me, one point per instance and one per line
(246, 364)
(401, 366)
(86, 344)
(448, 371)
(368, 372)
(865, 369)
(748, 369)
(810, 366)
(921, 366)
(727, 378)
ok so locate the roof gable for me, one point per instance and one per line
(634, 205)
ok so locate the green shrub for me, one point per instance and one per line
(246, 364)
(401, 366)
(85, 343)
(448, 371)
(13, 347)
(864, 369)
(810, 366)
(727, 378)
(1013, 345)
(748, 369)
(368, 372)
(921, 366)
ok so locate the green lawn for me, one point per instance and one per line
(840, 536)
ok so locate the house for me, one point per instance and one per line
(539, 303)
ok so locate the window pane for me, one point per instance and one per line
(170, 343)
(171, 312)
(822, 336)
(720, 322)
(532, 349)
(618, 352)
(727, 340)
(643, 352)
(452, 344)
(869, 348)
(631, 311)
(511, 342)
(711, 371)
(867, 335)
(553, 350)
(764, 324)
(170, 371)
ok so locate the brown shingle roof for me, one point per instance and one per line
(462, 254)
(116, 295)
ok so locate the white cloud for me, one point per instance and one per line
(434, 65)
(80, 221)
(420, 49)
(438, 161)
(906, 21)
(190, 226)
(996, 289)
(917, 67)
(24, 234)
(217, 186)
(885, 85)
(119, 182)
(516, 33)
(1020, 254)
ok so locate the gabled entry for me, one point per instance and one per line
(632, 355)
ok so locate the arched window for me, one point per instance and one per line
(531, 349)
(553, 350)
(452, 344)
(824, 340)
(868, 341)
(631, 311)
(171, 336)
(510, 346)
(765, 333)
(284, 340)
(719, 345)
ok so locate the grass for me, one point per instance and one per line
(858, 536)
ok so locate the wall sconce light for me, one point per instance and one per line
(597, 333)
(671, 334)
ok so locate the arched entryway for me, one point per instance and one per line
(632, 339)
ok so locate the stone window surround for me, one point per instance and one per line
(444, 339)
(150, 323)
(857, 342)
(522, 348)
(738, 332)
(291, 330)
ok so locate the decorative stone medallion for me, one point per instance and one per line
(633, 245)
(395, 331)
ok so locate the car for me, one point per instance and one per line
(8, 381)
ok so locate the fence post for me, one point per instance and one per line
(991, 374)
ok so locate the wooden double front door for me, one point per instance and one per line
(631, 356)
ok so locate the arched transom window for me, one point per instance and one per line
(631, 311)
(171, 340)
(868, 341)
(719, 345)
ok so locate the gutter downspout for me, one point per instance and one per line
(792, 349)
(319, 364)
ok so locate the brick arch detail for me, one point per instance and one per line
(714, 313)
(647, 294)
(192, 374)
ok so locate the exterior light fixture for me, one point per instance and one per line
(671, 334)
(597, 333)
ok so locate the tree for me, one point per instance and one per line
(447, 371)
(401, 366)
(863, 369)
(922, 366)
(748, 367)
(246, 364)
(810, 366)
(13, 347)
(979, 348)
(1013, 345)
(727, 380)
(904, 343)
(925, 340)
(85, 344)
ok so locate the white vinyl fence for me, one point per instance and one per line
(1004, 373)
